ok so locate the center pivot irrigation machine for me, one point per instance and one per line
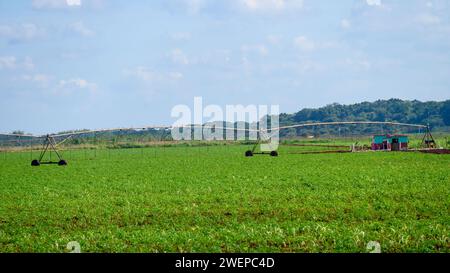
(380, 142)
(393, 144)
(49, 142)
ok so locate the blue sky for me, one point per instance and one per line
(127, 63)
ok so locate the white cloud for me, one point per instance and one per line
(11, 62)
(305, 66)
(176, 75)
(77, 83)
(194, 6)
(263, 4)
(178, 57)
(39, 4)
(428, 19)
(304, 43)
(180, 36)
(345, 24)
(66, 4)
(66, 86)
(141, 73)
(260, 49)
(8, 62)
(373, 2)
(73, 2)
(148, 75)
(28, 63)
(41, 80)
(55, 4)
(271, 5)
(81, 29)
(21, 33)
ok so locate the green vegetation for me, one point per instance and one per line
(436, 114)
(213, 199)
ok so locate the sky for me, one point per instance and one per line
(75, 64)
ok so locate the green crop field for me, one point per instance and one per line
(213, 199)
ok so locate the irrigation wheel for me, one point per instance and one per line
(35, 163)
(62, 162)
(274, 153)
(248, 153)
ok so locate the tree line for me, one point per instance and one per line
(433, 113)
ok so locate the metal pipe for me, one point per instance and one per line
(222, 128)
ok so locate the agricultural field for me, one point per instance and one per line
(213, 199)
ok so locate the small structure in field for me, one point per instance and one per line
(390, 142)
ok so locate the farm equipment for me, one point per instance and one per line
(253, 151)
(264, 137)
(428, 140)
(49, 142)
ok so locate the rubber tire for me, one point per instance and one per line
(248, 153)
(62, 163)
(274, 153)
(35, 163)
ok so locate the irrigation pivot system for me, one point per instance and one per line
(50, 144)
(427, 140)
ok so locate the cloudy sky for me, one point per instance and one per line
(68, 64)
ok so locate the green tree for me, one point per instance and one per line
(445, 113)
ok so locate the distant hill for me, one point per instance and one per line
(436, 114)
